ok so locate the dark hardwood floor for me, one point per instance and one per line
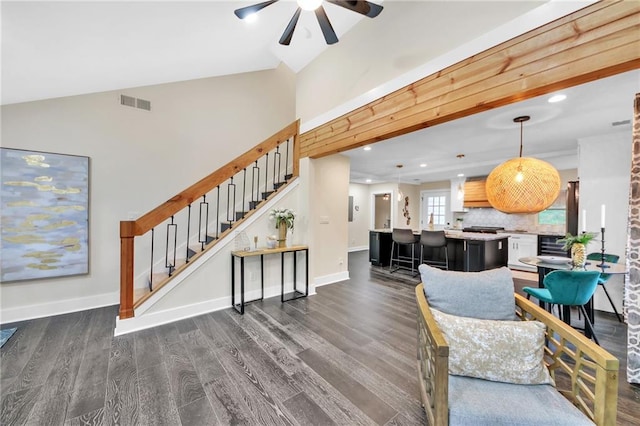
(345, 356)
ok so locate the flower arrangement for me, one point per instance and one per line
(569, 240)
(283, 216)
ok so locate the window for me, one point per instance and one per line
(438, 206)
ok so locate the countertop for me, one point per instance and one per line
(459, 235)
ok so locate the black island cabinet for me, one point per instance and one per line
(468, 252)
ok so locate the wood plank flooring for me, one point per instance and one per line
(345, 356)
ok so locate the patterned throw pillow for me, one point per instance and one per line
(500, 351)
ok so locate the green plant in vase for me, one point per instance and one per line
(284, 220)
(578, 246)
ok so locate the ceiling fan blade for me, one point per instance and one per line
(249, 10)
(288, 32)
(365, 8)
(327, 30)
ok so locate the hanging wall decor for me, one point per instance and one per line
(45, 215)
(405, 210)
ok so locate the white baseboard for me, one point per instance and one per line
(59, 307)
(153, 319)
(330, 279)
(358, 248)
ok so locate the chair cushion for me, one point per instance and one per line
(509, 404)
(484, 295)
(500, 351)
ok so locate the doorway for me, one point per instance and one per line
(381, 218)
(435, 204)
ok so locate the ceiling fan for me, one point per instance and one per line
(365, 8)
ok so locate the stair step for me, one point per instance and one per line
(190, 253)
(277, 185)
(266, 195)
(240, 215)
(224, 226)
(254, 204)
(287, 177)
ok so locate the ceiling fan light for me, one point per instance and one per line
(523, 185)
(309, 4)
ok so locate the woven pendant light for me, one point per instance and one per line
(524, 184)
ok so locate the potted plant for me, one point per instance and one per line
(459, 222)
(578, 246)
(284, 220)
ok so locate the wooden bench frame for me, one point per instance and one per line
(584, 373)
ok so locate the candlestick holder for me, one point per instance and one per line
(602, 255)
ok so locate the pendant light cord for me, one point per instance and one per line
(521, 126)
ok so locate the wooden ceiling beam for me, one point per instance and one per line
(598, 41)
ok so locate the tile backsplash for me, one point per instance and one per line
(493, 217)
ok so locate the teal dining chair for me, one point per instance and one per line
(610, 258)
(568, 288)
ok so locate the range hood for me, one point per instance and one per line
(475, 193)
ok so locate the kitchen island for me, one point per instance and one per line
(468, 251)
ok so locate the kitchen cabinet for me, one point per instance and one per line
(475, 193)
(465, 253)
(522, 245)
(379, 248)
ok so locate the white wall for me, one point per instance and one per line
(604, 166)
(328, 201)
(357, 65)
(139, 159)
(359, 228)
(413, 192)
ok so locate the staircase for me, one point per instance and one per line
(163, 243)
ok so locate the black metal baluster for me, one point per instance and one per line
(188, 230)
(265, 194)
(255, 186)
(286, 168)
(231, 207)
(244, 187)
(218, 214)
(204, 208)
(276, 175)
(151, 268)
(167, 264)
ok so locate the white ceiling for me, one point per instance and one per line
(489, 138)
(52, 49)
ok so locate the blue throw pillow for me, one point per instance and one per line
(483, 295)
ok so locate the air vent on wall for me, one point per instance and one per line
(620, 123)
(136, 103)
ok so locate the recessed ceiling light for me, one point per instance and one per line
(557, 98)
(460, 174)
(423, 165)
(367, 148)
(368, 181)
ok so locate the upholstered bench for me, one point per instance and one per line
(486, 357)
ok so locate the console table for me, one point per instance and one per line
(241, 255)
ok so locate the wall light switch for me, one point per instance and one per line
(324, 220)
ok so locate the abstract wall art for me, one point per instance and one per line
(45, 215)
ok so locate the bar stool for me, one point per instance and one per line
(435, 240)
(399, 238)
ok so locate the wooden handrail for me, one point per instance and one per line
(133, 228)
(172, 206)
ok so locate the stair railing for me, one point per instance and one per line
(229, 193)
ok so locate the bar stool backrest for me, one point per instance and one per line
(433, 239)
(403, 236)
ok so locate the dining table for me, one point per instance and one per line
(546, 264)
